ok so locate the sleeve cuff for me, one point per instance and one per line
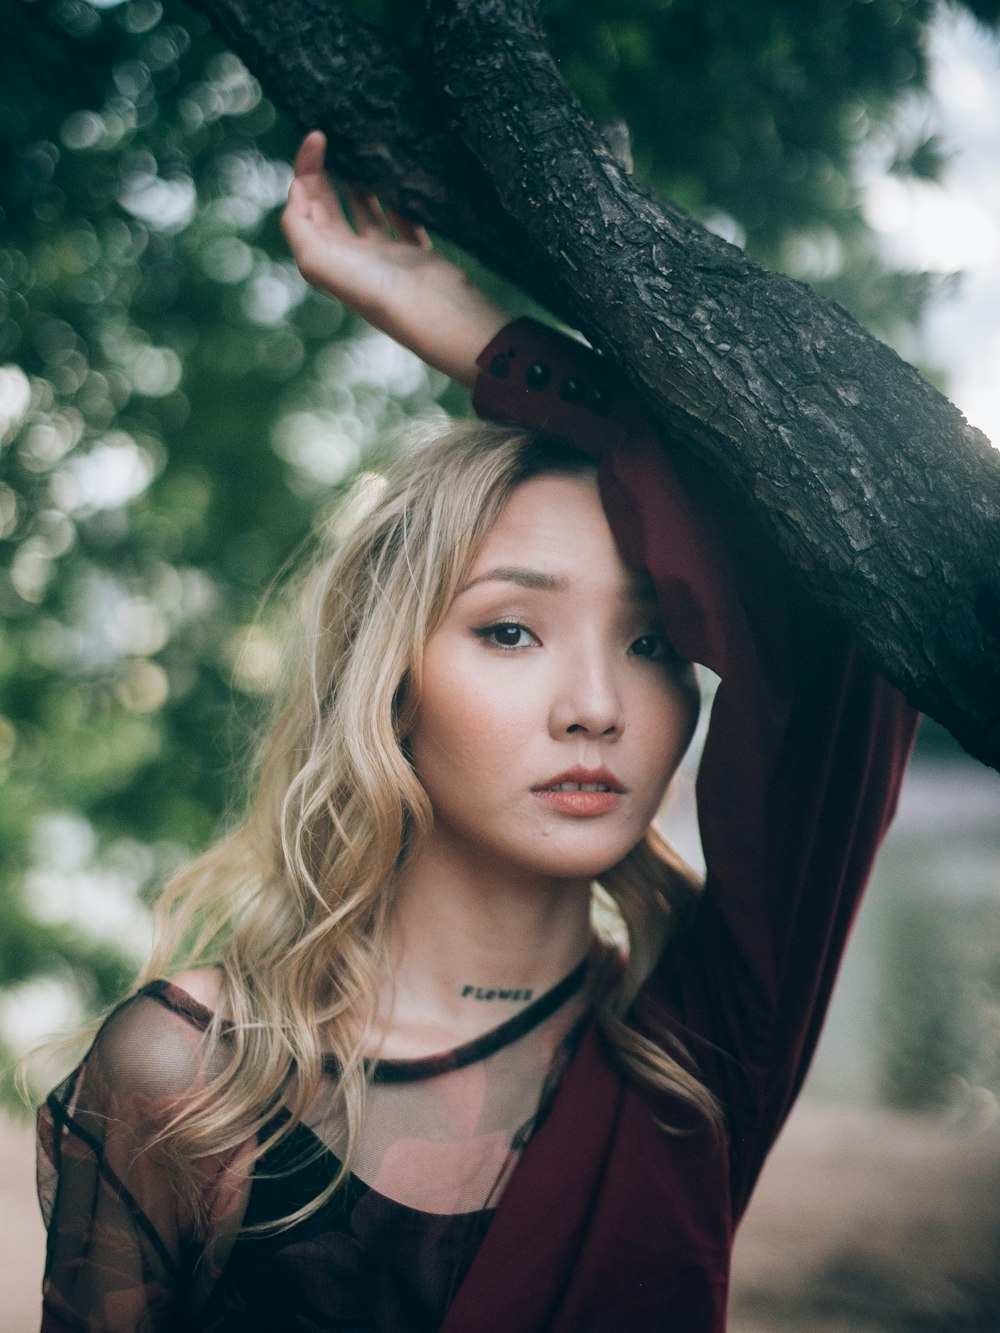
(533, 376)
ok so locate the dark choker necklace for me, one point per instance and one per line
(403, 1071)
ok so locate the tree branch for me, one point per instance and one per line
(370, 93)
(882, 497)
(879, 494)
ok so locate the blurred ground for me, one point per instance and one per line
(873, 1222)
(864, 1222)
(21, 1235)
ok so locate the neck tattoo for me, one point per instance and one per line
(484, 993)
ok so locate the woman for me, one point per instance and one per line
(418, 1091)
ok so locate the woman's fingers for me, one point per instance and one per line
(383, 267)
(312, 194)
(367, 215)
(313, 201)
(312, 152)
(409, 231)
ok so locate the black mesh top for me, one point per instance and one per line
(442, 1136)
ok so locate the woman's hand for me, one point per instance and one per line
(385, 269)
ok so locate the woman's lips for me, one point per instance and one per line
(581, 791)
(577, 802)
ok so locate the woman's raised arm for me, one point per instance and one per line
(385, 269)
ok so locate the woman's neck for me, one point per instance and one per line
(470, 947)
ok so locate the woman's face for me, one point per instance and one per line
(549, 676)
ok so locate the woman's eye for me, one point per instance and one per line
(654, 646)
(507, 634)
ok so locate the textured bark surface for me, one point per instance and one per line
(881, 496)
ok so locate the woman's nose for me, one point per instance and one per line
(587, 701)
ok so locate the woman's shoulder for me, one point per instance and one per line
(153, 1043)
(202, 985)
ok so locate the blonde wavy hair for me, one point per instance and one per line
(294, 904)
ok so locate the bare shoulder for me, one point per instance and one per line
(203, 984)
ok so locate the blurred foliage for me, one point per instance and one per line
(936, 1026)
(176, 408)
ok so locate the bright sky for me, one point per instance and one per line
(956, 225)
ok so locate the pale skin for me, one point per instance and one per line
(386, 270)
(544, 663)
(522, 684)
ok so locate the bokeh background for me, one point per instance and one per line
(178, 412)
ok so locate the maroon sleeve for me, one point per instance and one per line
(803, 759)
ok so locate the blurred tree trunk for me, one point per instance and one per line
(878, 493)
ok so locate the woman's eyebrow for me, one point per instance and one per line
(524, 578)
(639, 590)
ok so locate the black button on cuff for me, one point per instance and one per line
(571, 390)
(500, 367)
(597, 401)
(537, 375)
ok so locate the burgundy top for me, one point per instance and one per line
(606, 1222)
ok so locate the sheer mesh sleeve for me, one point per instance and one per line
(127, 1249)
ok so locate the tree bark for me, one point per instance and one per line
(878, 493)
